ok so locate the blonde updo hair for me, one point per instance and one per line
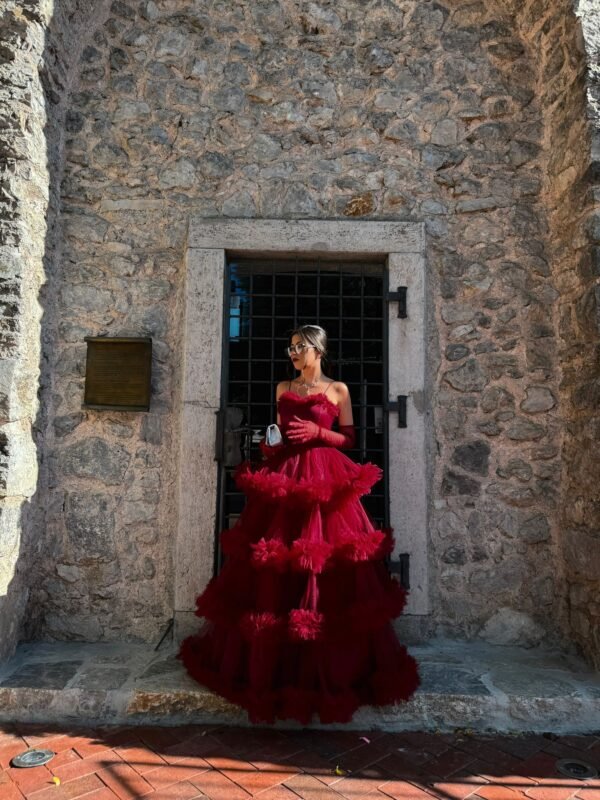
(315, 335)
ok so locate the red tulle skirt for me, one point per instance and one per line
(298, 621)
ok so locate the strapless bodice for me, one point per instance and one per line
(316, 407)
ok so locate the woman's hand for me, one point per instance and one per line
(302, 430)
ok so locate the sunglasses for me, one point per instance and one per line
(297, 348)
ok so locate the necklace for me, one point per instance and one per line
(308, 385)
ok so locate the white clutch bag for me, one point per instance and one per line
(273, 436)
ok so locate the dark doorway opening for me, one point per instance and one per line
(265, 299)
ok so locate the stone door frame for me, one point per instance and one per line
(210, 241)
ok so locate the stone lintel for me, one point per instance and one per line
(256, 236)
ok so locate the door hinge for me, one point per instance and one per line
(398, 406)
(399, 297)
(401, 566)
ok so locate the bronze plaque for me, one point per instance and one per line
(117, 373)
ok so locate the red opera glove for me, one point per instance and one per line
(344, 437)
(303, 430)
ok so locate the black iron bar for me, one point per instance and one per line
(363, 421)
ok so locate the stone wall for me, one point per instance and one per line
(451, 113)
(287, 110)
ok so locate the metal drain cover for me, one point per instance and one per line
(32, 758)
(573, 768)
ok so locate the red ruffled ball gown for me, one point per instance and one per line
(299, 618)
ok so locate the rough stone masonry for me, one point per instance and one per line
(120, 120)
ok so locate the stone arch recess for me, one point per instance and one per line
(37, 63)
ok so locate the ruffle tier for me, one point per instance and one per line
(306, 555)
(377, 600)
(272, 684)
(300, 477)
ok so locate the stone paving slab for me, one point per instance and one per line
(464, 685)
(212, 762)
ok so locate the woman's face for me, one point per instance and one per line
(306, 358)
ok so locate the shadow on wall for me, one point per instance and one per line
(25, 238)
(35, 61)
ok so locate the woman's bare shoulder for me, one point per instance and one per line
(339, 389)
(282, 387)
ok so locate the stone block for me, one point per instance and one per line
(538, 399)
(515, 468)
(456, 352)
(84, 298)
(106, 154)
(137, 510)
(469, 377)
(523, 429)
(179, 175)
(67, 423)
(518, 496)
(85, 226)
(445, 133)
(240, 204)
(171, 43)
(454, 483)
(477, 204)
(53, 675)
(403, 130)
(473, 457)
(215, 165)
(495, 398)
(298, 201)
(95, 459)
(454, 555)
(228, 98)
(510, 627)
(90, 524)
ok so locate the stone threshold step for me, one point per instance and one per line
(469, 685)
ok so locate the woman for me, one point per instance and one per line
(299, 619)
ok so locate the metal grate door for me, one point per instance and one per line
(265, 299)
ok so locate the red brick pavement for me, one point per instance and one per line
(220, 763)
